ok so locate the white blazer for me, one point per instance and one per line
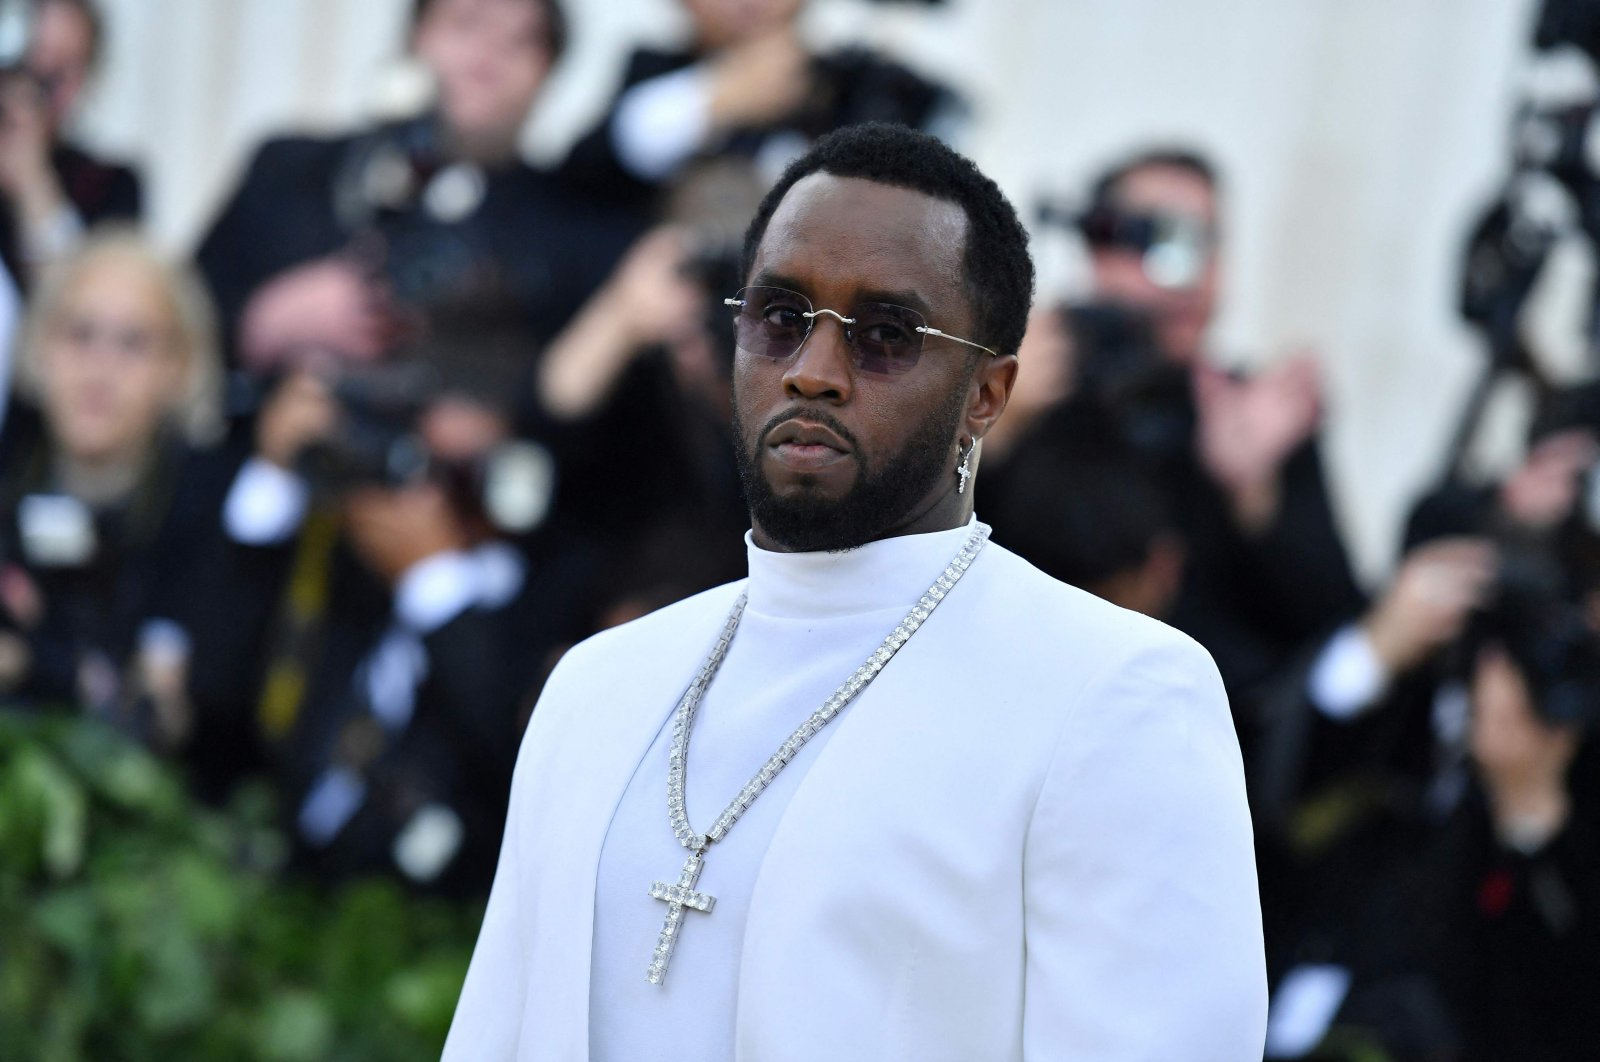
(1035, 846)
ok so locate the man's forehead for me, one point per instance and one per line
(1167, 188)
(851, 227)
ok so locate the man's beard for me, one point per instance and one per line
(881, 498)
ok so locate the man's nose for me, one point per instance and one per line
(821, 368)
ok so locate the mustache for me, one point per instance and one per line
(815, 416)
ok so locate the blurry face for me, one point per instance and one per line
(1180, 315)
(58, 54)
(108, 362)
(490, 58)
(719, 23)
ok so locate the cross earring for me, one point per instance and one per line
(962, 469)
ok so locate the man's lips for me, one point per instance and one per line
(805, 433)
(806, 447)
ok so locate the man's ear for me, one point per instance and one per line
(990, 391)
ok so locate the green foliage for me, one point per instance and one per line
(136, 924)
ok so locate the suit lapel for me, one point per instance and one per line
(588, 753)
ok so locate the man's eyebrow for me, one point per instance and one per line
(909, 299)
(768, 279)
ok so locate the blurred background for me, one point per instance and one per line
(334, 333)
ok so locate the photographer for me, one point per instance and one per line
(338, 244)
(744, 88)
(640, 385)
(54, 190)
(102, 502)
(1236, 456)
(1437, 835)
(376, 612)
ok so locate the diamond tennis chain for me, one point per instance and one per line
(682, 894)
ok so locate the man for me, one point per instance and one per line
(332, 244)
(1023, 833)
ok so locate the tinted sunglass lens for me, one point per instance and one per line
(886, 339)
(772, 321)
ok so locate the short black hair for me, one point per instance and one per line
(555, 24)
(999, 273)
(1103, 192)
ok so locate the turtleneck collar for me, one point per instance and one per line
(888, 573)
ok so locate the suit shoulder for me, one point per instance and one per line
(1081, 639)
(694, 621)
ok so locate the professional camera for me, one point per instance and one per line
(1546, 582)
(1122, 377)
(378, 443)
(856, 85)
(406, 205)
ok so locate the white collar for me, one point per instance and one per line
(888, 573)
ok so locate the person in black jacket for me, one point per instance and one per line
(333, 244)
(52, 188)
(745, 89)
(1437, 839)
(1239, 457)
(102, 502)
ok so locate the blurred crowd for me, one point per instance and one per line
(324, 503)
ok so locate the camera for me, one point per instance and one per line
(1540, 608)
(1124, 383)
(379, 443)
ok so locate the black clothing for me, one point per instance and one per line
(1254, 601)
(850, 87)
(98, 190)
(136, 568)
(284, 640)
(528, 242)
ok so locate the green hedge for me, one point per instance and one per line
(136, 924)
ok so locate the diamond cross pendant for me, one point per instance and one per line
(677, 897)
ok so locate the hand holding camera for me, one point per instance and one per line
(760, 81)
(300, 411)
(1431, 599)
(25, 138)
(329, 304)
(1249, 427)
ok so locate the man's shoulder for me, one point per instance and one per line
(1026, 600)
(690, 625)
(1045, 630)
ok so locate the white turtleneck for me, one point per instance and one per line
(810, 621)
(1027, 840)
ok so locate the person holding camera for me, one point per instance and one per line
(341, 243)
(53, 189)
(102, 494)
(747, 88)
(1435, 837)
(378, 609)
(1265, 570)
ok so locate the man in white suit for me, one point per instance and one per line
(897, 795)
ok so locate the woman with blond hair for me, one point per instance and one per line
(100, 501)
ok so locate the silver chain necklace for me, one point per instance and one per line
(682, 894)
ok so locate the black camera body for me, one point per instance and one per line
(1141, 397)
(1539, 612)
(376, 443)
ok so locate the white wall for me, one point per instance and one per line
(1357, 138)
